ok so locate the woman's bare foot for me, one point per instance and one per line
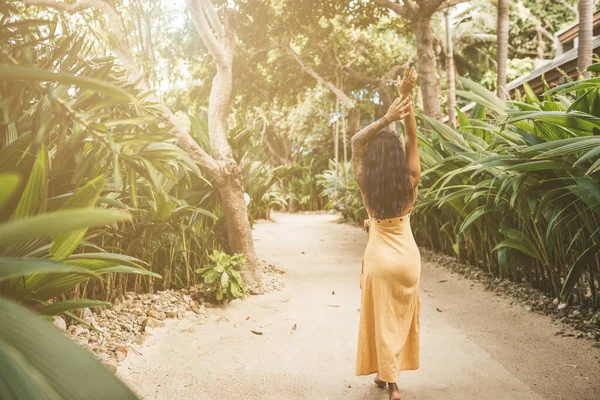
(379, 382)
(394, 391)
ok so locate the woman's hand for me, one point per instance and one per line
(399, 109)
(408, 81)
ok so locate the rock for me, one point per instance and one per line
(150, 322)
(561, 306)
(555, 302)
(109, 314)
(140, 338)
(575, 314)
(86, 313)
(595, 320)
(117, 301)
(77, 330)
(171, 314)
(575, 298)
(148, 330)
(60, 323)
(120, 353)
(159, 315)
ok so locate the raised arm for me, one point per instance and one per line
(413, 163)
(397, 111)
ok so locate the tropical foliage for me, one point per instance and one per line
(222, 279)
(516, 188)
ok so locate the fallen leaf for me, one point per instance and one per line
(443, 280)
(264, 326)
(333, 292)
(257, 332)
(440, 310)
(247, 318)
(293, 329)
(332, 305)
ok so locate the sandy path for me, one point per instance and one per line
(478, 347)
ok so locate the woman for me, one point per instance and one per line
(387, 177)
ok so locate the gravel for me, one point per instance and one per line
(580, 319)
(110, 333)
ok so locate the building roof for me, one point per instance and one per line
(562, 66)
(570, 32)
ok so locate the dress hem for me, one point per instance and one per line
(411, 368)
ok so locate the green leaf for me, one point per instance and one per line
(474, 216)
(70, 305)
(587, 258)
(211, 277)
(112, 257)
(10, 72)
(55, 224)
(126, 269)
(85, 196)
(8, 185)
(35, 193)
(13, 267)
(513, 244)
(238, 277)
(224, 280)
(38, 362)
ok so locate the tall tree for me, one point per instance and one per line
(420, 13)
(586, 35)
(218, 36)
(450, 82)
(503, 16)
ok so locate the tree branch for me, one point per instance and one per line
(184, 140)
(213, 18)
(347, 101)
(389, 76)
(450, 3)
(395, 7)
(359, 76)
(199, 12)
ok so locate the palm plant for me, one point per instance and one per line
(518, 192)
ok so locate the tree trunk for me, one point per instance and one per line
(450, 84)
(237, 223)
(219, 39)
(503, 8)
(586, 34)
(353, 122)
(220, 42)
(430, 84)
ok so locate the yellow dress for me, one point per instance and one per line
(388, 340)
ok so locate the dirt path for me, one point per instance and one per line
(477, 347)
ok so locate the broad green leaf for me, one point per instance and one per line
(38, 362)
(70, 305)
(10, 72)
(85, 196)
(8, 185)
(518, 245)
(586, 259)
(55, 224)
(34, 196)
(13, 267)
(224, 279)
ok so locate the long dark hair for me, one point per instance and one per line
(386, 183)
